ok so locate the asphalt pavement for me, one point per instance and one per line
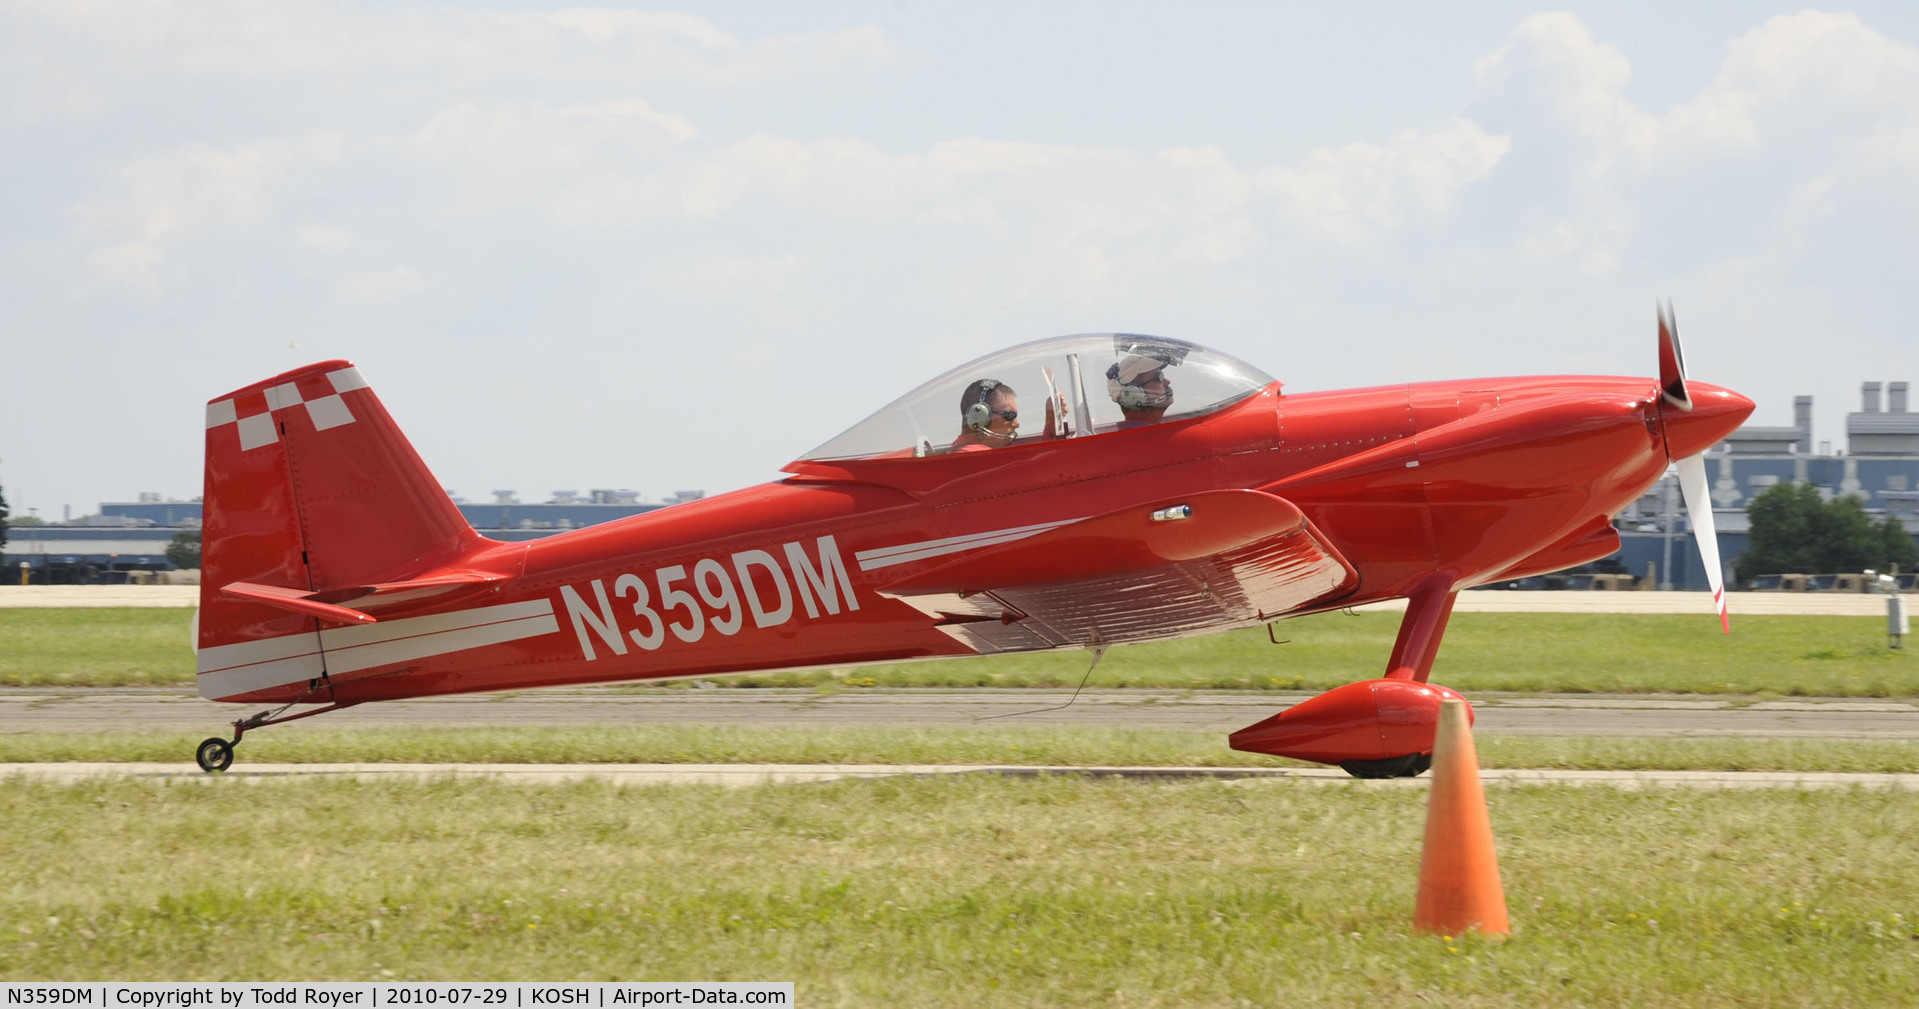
(26, 709)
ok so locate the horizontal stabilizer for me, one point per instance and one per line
(350, 605)
(294, 601)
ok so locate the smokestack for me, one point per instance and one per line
(1802, 419)
(1896, 396)
(1870, 394)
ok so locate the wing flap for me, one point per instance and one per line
(1127, 540)
(1240, 557)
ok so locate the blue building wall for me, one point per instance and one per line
(168, 513)
(105, 553)
(549, 517)
(83, 553)
(1884, 485)
(1637, 550)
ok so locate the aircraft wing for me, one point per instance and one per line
(1158, 570)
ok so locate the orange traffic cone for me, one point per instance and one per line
(1458, 871)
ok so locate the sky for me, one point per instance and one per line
(674, 248)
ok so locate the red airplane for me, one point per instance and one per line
(1162, 490)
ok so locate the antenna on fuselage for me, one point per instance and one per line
(1097, 645)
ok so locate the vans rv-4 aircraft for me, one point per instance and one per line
(1160, 489)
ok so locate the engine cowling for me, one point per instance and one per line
(1367, 720)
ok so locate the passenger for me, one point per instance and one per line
(1138, 384)
(989, 416)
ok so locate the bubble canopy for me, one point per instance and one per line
(1064, 387)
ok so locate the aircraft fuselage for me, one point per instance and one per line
(1473, 480)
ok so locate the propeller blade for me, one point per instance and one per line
(1672, 361)
(1692, 484)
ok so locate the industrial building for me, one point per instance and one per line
(1879, 466)
(132, 536)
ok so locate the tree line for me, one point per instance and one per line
(1795, 529)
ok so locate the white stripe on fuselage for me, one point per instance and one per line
(227, 670)
(888, 556)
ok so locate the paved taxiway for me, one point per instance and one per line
(27, 709)
(173, 710)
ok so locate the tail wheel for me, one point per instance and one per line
(214, 755)
(1409, 766)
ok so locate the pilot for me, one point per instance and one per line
(1138, 384)
(989, 416)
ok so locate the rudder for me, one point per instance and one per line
(310, 486)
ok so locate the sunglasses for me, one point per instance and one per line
(1004, 414)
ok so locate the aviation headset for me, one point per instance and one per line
(978, 414)
(1132, 396)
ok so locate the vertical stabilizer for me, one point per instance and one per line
(309, 486)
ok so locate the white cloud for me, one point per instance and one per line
(1811, 103)
(1187, 204)
(1895, 151)
(1080, 218)
(526, 140)
(61, 59)
(373, 286)
(163, 201)
(1361, 190)
(604, 25)
(324, 238)
(1798, 74)
(1824, 57)
(1814, 64)
(133, 266)
(397, 181)
(677, 128)
(1215, 207)
(1554, 67)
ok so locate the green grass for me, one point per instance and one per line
(937, 892)
(687, 744)
(1802, 656)
(1552, 652)
(95, 647)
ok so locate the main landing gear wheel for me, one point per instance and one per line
(1412, 765)
(214, 755)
